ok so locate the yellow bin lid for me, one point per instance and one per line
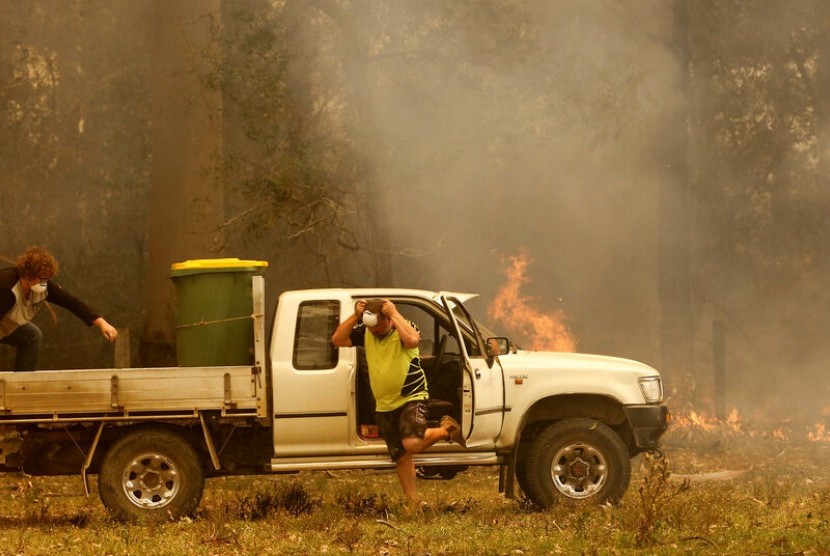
(231, 264)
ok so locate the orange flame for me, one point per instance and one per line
(700, 421)
(697, 420)
(820, 434)
(733, 420)
(515, 311)
(689, 420)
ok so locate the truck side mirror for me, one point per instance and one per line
(497, 345)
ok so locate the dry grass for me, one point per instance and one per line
(717, 491)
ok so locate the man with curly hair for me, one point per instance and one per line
(23, 289)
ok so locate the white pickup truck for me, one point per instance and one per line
(564, 425)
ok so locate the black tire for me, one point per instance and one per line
(428, 472)
(577, 460)
(151, 475)
(449, 472)
(445, 472)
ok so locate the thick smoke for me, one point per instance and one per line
(543, 142)
(549, 129)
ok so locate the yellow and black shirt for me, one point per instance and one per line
(395, 372)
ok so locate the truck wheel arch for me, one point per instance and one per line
(565, 406)
(570, 406)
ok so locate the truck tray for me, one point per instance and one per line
(70, 394)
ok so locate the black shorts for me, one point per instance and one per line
(408, 421)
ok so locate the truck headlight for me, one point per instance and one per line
(652, 389)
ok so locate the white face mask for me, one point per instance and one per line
(369, 318)
(39, 288)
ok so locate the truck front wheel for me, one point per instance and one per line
(579, 460)
(151, 475)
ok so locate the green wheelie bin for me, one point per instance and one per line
(214, 311)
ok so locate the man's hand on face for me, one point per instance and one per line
(359, 307)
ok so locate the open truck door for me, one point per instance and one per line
(482, 378)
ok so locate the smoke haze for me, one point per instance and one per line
(539, 128)
(553, 153)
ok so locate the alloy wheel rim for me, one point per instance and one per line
(151, 480)
(579, 470)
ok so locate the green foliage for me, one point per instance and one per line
(759, 146)
(288, 161)
(655, 494)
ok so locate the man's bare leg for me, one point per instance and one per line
(417, 445)
(405, 465)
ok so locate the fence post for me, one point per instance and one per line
(122, 349)
(719, 363)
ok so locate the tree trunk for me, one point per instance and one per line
(819, 92)
(674, 288)
(185, 206)
(377, 212)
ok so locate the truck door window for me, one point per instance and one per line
(473, 342)
(316, 322)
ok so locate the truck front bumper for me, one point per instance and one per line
(648, 423)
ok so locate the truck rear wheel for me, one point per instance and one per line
(579, 460)
(151, 475)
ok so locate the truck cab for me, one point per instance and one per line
(505, 398)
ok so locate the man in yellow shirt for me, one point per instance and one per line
(398, 383)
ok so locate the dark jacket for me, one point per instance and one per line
(54, 294)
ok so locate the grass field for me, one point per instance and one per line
(721, 489)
